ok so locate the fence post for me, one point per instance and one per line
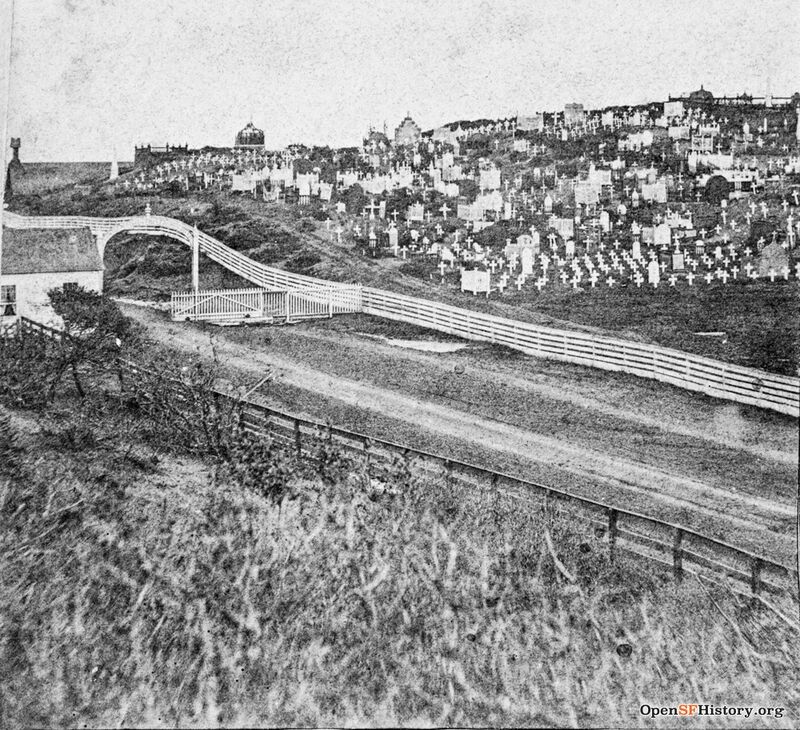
(612, 533)
(330, 302)
(677, 554)
(288, 297)
(755, 575)
(297, 441)
(494, 481)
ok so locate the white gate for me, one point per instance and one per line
(239, 306)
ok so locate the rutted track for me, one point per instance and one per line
(590, 470)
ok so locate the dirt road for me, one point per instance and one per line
(583, 464)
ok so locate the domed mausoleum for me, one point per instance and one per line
(250, 136)
(701, 97)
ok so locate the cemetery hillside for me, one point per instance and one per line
(488, 424)
(583, 199)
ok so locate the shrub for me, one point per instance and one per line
(303, 262)
(94, 330)
(260, 465)
(418, 268)
(27, 369)
(306, 225)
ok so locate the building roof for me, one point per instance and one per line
(250, 136)
(43, 251)
(701, 95)
(408, 121)
(375, 136)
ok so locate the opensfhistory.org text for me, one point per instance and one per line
(703, 710)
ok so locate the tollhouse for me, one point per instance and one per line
(34, 261)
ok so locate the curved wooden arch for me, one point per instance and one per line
(143, 225)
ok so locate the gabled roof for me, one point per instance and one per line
(44, 251)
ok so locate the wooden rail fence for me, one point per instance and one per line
(676, 548)
(692, 372)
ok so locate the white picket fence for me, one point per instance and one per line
(722, 380)
(232, 306)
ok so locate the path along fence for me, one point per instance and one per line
(692, 372)
(681, 550)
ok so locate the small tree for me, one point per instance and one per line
(94, 330)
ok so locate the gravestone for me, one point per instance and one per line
(475, 281)
(526, 259)
(653, 273)
(416, 212)
(393, 239)
(662, 235)
(678, 263)
(536, 241)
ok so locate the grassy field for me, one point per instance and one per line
(759, 321)
(144, 585)
(44, 178)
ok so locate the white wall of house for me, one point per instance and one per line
(31, 292)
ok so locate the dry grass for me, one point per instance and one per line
(43, 178)
(169, 594)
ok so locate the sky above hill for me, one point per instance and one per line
(91, 78)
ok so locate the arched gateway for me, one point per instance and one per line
(338, 298)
